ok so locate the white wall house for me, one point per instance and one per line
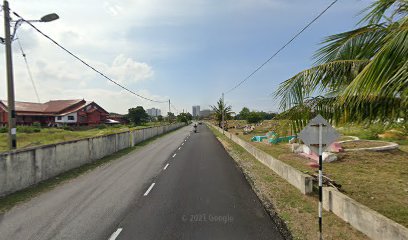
(69, 118)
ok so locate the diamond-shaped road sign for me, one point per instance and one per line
(310, 134)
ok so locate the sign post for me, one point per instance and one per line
(318, 135)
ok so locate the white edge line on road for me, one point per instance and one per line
(174, 155)
(165, 167)
(115, 234)
(148, 190)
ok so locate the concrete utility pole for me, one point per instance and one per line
(222, 113)
(12, 132)
(8, 38)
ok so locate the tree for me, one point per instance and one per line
(160, 118)
(254, 117)
(243, 115)
(362, 74)
(221, 109)
(171, 117)
(184, 117)
(138, 115)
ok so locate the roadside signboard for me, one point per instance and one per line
(310, 134)
(318, 135)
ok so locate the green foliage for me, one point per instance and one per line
(254, 117)
(244, 114)
(101, 126)
(362, 73)
(3, 129)
(171, 117)
(160, 118)
(28, 129)
(36, 124)
(184, 117)
(68, 128)
(221, 109)
(138, 115)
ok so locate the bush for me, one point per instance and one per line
(67, 128)
(28, 129)
(101, 126)
(3, 129)
(36, 125)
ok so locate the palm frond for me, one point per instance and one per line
(376, 11)
(361, 43)
(386, 75)
(325, 77)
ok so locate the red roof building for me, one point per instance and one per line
(56, 112)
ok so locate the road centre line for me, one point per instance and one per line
(179, 148)
(174, 155)
(148, 190)
(165, 167)
(115, 234)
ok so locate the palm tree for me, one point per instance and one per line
(362, 74)
(221, 109)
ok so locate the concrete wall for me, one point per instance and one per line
(22, 168)
(364, 219)
(301, 181)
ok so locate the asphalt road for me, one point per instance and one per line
(181, 186)
(200, 195)
(91, 206)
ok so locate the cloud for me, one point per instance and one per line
(126, 70)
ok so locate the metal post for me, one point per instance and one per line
(320, 180)
(12, 140)
(169, 112)
(222, 113)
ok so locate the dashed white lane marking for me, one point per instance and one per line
(150, 188)
(182, 144)
(179, 148)
(115, 234)
(165, 167)
(174, 155)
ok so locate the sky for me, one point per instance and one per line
(189, 51)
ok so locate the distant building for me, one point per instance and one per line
(153, 112)
(196, 111)
(56, 112)
(206, 113)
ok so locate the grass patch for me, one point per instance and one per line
(11, 200)
(55, 135)
(298, 211)
(378, 180)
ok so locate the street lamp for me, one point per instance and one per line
(12, 140)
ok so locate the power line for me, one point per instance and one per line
(283, 47)
(28, 70)
(85, 63)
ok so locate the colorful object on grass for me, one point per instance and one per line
(276, 140)
(261, 138)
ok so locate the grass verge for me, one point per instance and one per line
(56, 135)
(378, 180)
(11, 200)
(298, 211)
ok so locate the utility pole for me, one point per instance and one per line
(169, 112)
(222, 113)
(12, 139)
